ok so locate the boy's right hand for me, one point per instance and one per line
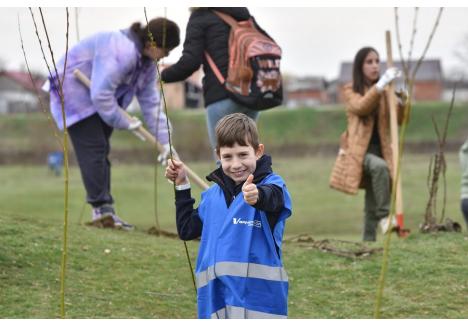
(175, 172)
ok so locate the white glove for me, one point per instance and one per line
(134, 124)
(389, 75)
(133, 127)
(162, 157)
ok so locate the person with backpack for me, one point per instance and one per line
(120, 65)
(365, 156)
(208, 42)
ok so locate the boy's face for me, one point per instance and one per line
(238, 162)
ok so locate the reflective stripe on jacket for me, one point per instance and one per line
(239, 272)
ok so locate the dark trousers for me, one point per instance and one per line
(91, 141)
(378, 195)
(464, 208)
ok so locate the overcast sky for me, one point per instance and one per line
(314, 40)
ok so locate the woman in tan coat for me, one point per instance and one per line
(365, 156)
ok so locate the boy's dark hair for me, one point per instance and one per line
(359, 81)
(159, 27)
(236, 128)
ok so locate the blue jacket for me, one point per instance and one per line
(239, 269)
(118, 71)
(271, 199)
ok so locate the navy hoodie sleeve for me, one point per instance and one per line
(189, 225)
(270, 198)
(271, 201)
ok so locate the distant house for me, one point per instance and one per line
(307, 91)
(332, 91)
(428, 86)
(17, 92)
(185, 94)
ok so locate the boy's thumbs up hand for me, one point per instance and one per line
(250, 191)
(249, 179)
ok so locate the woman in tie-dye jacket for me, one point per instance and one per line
(120, 65)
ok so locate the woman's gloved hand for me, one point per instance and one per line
(389, 75)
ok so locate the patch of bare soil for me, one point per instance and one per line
(341, 248)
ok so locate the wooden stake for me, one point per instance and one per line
(394, 138)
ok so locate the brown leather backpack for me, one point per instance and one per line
(254, 77)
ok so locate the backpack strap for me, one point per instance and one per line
(226, 18)
(215, 69)
(231, 22)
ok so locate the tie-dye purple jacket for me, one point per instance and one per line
(113, 62)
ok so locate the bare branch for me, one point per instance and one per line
(36, 91)
(52, 80)
(400, 47)
(449, 114)
(444, 170)
(51, 51)
(434, 28)
(65, 162)
(415, 18)
(66, 47)
(158, 230)
(436, 128)
(171, 154)
(440, 165)
(429, 174)
(150, 35)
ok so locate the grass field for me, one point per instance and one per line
(31, 190)
(143, 276)
(300, 131)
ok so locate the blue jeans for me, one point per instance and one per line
(217, 110)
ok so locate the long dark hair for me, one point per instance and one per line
(359, 81)
(158, 27)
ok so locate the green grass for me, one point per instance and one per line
(282, 129)
(144, 276)
(31, 190)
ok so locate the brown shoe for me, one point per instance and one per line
(103, 222)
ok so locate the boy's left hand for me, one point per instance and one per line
(250, 191)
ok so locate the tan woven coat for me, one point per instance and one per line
(361, 111)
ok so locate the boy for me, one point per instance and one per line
(241, 221)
